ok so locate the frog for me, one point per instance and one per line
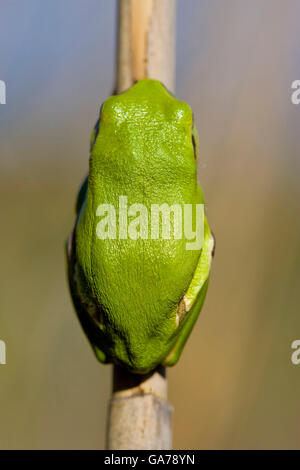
(138, 298)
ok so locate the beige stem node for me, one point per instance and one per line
(140, 416)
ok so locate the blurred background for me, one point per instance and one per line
(235, 386)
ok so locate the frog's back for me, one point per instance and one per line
(142, 154)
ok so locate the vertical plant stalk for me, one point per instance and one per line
(146, 42)
(140, 416)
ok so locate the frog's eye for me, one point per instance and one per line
(95, 130)
(194, 145)
(195, 141)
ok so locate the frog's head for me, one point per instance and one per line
(148, 111)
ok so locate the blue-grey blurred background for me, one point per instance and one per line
(235, 385)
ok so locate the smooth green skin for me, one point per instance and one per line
(127, 292)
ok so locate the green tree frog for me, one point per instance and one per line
(138, 297)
